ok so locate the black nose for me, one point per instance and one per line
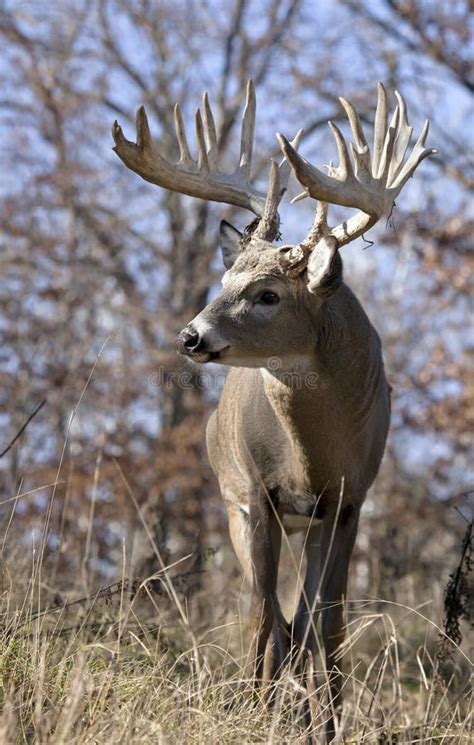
(189, 341)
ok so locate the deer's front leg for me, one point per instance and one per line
(337, 542)
(265, 541)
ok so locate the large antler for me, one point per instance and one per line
(368, 184)
(201, 178)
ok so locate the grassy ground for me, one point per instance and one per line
(142, 665)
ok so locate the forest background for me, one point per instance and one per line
(100, 270)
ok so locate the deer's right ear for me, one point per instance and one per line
(230, 242)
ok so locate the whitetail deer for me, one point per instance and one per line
(296, 442)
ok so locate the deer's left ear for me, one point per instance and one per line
(230, 242)
(324, 268)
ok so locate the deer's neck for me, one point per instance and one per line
(299, 396)
(327, 398)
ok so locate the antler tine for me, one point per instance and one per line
(268, 227)
(368, 186)
(389, 144)
(402, 140)
(185, 155)
(354, 121)
(248, 131)
(418, 154)
(344, 168)
(200, 178)
(203, 161)
(143, 129)
(361, 155)
(284, 167)
(210, 126)
(380, 127)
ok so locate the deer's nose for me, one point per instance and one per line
(189, 341)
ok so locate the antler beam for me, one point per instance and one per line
(368, 184)
(197, 178)
(201, 178)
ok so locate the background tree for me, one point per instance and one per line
(100, 269)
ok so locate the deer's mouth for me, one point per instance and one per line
(214, 356)
(202, 357)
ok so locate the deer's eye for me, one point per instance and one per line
(268, 298)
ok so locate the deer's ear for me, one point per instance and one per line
(230, 243)
(324, 268)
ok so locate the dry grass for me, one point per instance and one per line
(139, 665)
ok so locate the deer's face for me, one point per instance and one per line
(260, 313)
